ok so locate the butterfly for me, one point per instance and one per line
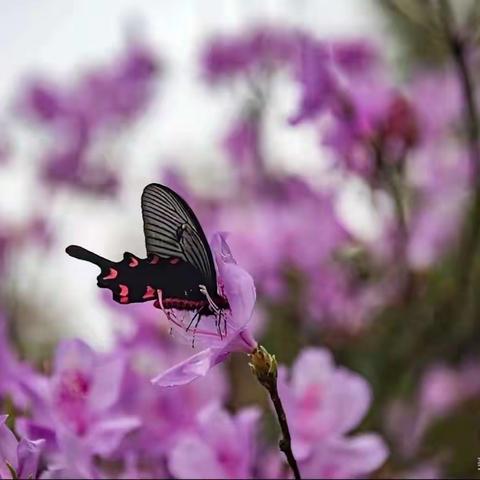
(178, 272)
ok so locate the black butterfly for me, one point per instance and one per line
(178, 272)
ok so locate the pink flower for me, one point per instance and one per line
(345, 457)
(102, 100)
(165, 413)
(239, 289)
(221, 447)
(75, 409)
(323, 403)
(261, 49)
(16, 377)
(22, 456)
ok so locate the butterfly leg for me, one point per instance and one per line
(197, 314)
(170, 315)
(195, 328)
(222, 318)
(211, 303)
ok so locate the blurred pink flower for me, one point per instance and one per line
(16, 377)
(312, 70)
(442, 389)
(165, 413)
(355, 457)
(222, 446)
(100, 102)
(23, 456)
(238, 287)
(354, 56)
(75, 408)
(323, 404)
(259, 50)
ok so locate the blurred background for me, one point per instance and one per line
(337, 142)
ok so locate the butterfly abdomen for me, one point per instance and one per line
(191, 305)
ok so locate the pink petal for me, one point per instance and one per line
(247, 422)
(240, 291)
(106, 384)
(193, 458)
(346, 458)
(193, 367)
(224, 435)
(313, 366)
(348, 401)
(8, 448)
(28, 456)
(237, 283)
(107, 434)
(74, 355)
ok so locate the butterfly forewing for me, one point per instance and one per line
(172, 230)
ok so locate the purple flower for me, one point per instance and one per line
(241, 142)
(16, 378)
(20, 456)
(75, 408)
(238, 287)
(354, 57)
(354, 457)
(261, 49)
(165, 413)
(323, 403)
(222, 446)
(101, 101)
(313, 73)
(442, 390)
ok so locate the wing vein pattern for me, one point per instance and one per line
(172, 230)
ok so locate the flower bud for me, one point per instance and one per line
(264, 366)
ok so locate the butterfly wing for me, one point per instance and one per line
(172, 230)
(134, 280)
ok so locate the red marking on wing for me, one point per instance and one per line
(149, 293)
(133, 262)
(174, 260)
(123, 299)
(154, 260)
(123, 290)
(111, 275)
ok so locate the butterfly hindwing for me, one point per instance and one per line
(134, 280)
(172, 230)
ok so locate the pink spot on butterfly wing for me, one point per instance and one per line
(133, 262)
(174, 260)
(149, 293)
(111, 274)
(123, 290)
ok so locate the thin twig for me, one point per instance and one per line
(264, 367)
(457, 48)
(285, 443)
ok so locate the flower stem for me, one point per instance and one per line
(285, 443)
(457, 47)
(264, 367)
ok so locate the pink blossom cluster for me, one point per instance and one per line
(104, 415)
